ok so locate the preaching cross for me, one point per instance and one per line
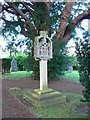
(43, 52)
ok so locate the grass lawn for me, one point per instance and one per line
(23, 74)
(72, 76)
(70, 108)
(17, 75)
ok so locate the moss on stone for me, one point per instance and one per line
(38, 91)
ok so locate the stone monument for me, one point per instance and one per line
(70, 69)
(13, 65)
(43, 52)
(43, 96)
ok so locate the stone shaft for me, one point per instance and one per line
(43, 75)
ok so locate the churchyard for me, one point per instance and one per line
(74, 76)
(15, 83)
(41, 78)
(42, 98)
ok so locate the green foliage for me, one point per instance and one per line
(56, 66)
(73, 62)
(43, 21)
(6, 64)
(28, 63)
(20, 58)
(17, 75)
(59, 64)
(83, 58)
(74, 76)
(31, 65)
(40, 17)
(62, 110)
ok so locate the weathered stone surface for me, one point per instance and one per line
(13, 65)
(42, 47)
(70, 69)
(44, 98)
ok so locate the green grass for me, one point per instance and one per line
(72, 76)
(24, 74)
(64, 110)
(17, 75)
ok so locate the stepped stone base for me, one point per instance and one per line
(43, 98)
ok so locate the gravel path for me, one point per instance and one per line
(12, 108)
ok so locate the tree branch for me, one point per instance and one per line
(7, 9)
(78, 19)
(21, 14)
(64, 20)
(31, 12)
(48, 5)
(75, 23)
(25, 33)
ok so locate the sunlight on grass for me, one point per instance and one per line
(70, 108)
(17, 75)
(24, 74)
(72, 76)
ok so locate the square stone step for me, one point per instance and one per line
(44, 100)
(44, 96)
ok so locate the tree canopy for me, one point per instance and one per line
(58, 18)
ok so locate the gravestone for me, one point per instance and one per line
(70, 69)
(13, 65)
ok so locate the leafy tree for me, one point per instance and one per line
(59, 64)
(59, 19)
(20, 58)
(72, 60)
(82, 47)
(56, 66)
(11, 45)
(6, 64)
(75, 63)
(29, 18)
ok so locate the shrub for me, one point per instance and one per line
(31, 65)
(20, 58)
(6, 64)
(74, 62)
(82, 48)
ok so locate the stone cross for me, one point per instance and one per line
(43, 52)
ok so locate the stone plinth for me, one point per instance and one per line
(43, 98)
